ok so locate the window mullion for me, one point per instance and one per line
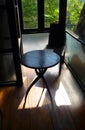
(41, 15)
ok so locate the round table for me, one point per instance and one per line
(40, 60)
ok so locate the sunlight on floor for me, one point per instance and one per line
(61, 97)
(35, 98)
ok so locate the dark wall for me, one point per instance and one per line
(10, 68)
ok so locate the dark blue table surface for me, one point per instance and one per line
(40, 59)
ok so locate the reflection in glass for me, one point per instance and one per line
(75, 57)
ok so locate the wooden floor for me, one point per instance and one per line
(66, 113)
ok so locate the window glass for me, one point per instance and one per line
(30, 14)
(51, 12)
(75, 17)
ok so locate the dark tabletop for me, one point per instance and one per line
(39, 59)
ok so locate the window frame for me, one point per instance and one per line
(41, 27)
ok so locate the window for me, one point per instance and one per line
(30, 14)
(51, 10)
(75, 18)
(38, 14)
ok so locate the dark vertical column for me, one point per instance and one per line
(20, 14)
(14, 38)
(62, 21)
(62, 13)
(40, 15)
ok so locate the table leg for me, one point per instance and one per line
(40, 73)
(47, 88)
(34, 81)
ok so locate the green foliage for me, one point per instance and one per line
(29, 8)
(74, 8)
(51, 12)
